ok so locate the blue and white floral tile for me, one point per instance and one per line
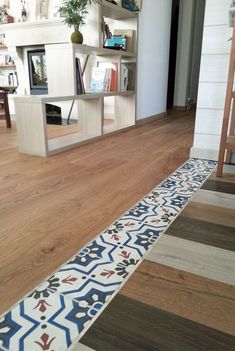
(55, 314)
(52, 323)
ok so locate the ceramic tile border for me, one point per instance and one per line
(56, 314)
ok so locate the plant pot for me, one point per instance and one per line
(77, 37)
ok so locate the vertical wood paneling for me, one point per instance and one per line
(213, 79)
(216, 12)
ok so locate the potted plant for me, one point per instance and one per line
(74, 13)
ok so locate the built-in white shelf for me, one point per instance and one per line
(115, 12)
(7, 66)
(64, 81)
(83, 49)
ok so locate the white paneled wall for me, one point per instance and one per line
(153, 57)
(213, 79)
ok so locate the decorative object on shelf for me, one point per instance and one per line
(74, 13)
(41, 9)
(232, 13)
(2, 39)
(4, 16)
(131, 5)
(106, 34)
(23, 12)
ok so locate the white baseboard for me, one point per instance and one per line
(208, 154)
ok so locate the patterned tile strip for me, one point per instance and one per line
(58, 312)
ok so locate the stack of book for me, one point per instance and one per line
(122, 39)
(5, 60)
(104, 77)
(13, 79)
(10, 79)
(129, 37)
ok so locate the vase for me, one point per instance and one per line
(77, 37)
(24, 15)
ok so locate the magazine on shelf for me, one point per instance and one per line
(79, 77)
(129, 35)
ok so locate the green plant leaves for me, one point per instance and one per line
(74, 12)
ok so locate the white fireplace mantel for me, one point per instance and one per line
(36, 33)
(22, 36)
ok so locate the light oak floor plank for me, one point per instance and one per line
(214, 198)
(210, 213)
(81, 347)
(203, 260)
(51, 207)
(229, 169)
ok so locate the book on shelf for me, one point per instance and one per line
(129, 35)
(3, 80)
(116, 42)
(98, 79)
(79, 77)
(104, 77)
(128, 70)
(124, 77)
(112, 68)
(5, 60)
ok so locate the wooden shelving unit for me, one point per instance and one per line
(5, 69)
(62, 89)
(7, 66)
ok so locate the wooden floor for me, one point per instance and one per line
(182, 296)
(52, 207)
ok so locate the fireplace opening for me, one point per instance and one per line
(37, 72)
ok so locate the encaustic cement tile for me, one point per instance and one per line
(52, 323)
(54, 315)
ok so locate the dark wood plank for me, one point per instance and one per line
(184, 294)
(129, 325)
(203, 232)
(220, 186)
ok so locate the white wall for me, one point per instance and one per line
(16, 7)
(153, 60)
(212, 80)
(184, 53)
(197, 44)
